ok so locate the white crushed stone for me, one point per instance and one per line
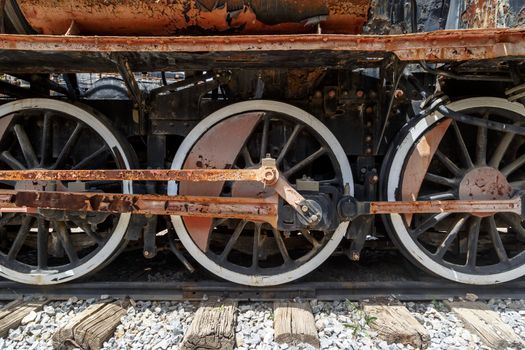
(340, 324)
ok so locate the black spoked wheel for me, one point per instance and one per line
(437, 158)
(55, 246)
(254, 253)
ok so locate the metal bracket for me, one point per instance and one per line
(134, 92)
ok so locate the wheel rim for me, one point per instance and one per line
(456, 246)
(49, 248)
(215, 260)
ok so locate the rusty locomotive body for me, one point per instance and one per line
(261, 137)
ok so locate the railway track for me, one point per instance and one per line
(213, 290)
(110, 323)
(381, 287)
(378, 275)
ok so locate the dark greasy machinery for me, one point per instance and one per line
(261, 137)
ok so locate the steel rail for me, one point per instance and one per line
(429, 289)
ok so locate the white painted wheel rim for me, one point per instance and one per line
(396, 170)
(235, 109)
(113, 243)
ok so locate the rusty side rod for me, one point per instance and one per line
(265, 174)
(253, 209)
(476, 207)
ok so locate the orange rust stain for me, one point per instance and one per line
(480, 13)
(169, 17)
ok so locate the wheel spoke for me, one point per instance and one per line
(305, 162)
(25, 145)
(502, 147)
(288, 144)
(86, 161)
(89, 232)
(496, 241)
(438, 196)
(514, 222)
(264, 138)
(6, 217)
(21, 236)
(445, 245)
(233, 239)
(65, 240)
(450, 165)
(256, 243)
(46, 139)
(428, 224)
(68, 147)
(462, 146)
(481, 144)
(513, 166)
(473, 237)
(306, 234)
(281, 246)
(13, 163)
(246, 156)
(334, 181)
(441, 180)
(517, 184)
(42, 241)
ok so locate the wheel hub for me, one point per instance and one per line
(484, 183)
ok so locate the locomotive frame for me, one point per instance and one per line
(352, 95)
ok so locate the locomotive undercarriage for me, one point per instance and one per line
(262, 192)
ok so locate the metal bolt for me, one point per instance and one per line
(359, 93)
(369, 110)
(304, 208)
(146, 253)
(368, 138)
(331, 93)
(314, 218)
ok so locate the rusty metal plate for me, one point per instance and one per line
(419, 161)
(216, 149)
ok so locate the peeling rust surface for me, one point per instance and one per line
(493, 13)
(264, 209)
(40, 51)
(176, 17)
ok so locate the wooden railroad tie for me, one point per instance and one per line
(294, 323)
(92, 327)
(481, 320)
(213, 327)
(395, 324)
(12, 314)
